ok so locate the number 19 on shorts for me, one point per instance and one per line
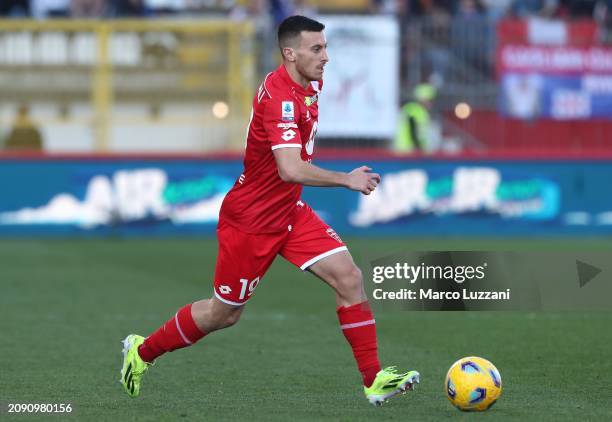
(248, 287)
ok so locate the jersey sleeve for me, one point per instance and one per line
(280, 122)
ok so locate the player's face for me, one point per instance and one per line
(311, 55)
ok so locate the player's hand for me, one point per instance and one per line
(361, 179)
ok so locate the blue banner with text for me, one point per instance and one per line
(127, 196)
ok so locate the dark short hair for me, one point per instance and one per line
(291, 27)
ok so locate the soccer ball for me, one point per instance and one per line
(473, 383)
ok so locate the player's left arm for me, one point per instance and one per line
(292, 169)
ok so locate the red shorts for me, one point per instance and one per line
(244, 258)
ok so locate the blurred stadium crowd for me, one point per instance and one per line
(451, 50)
(278, 9)
(517, 8)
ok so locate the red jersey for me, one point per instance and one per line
(285, 115)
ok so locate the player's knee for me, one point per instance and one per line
(231, 319)
(220, 318)
(350, 280)
(225, 319)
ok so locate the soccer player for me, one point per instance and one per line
(262, 216)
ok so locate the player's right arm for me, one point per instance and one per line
(292, 169)
(279, 121)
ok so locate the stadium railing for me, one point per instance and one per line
(114, 74)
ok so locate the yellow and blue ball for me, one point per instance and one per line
(473, 384)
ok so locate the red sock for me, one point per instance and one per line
(178, 332)
(359, 328)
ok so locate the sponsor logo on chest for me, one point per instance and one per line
(311, 100)
(287, 125)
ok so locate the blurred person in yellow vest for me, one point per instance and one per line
(415, 127)
(24, 135)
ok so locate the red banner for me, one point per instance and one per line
(548, 32)
(556, 60)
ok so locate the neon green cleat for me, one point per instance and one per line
(389, 383)
(133, 366)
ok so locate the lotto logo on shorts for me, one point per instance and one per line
(225, 289)
(332, 233)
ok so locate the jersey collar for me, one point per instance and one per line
(289, 81)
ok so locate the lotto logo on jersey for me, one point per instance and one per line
(288, 135)
(287, 113)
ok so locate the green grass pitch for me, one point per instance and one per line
(66, 304)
